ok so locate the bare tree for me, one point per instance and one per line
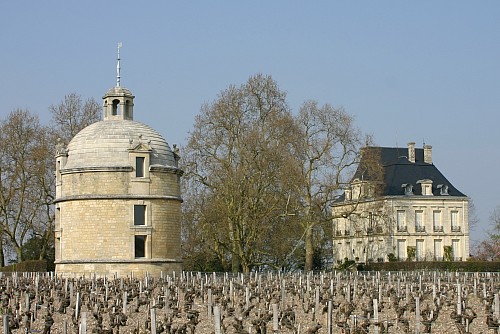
(330, 151)
(27, 151)
(72, 115)
(489, 249)
(473, 218)
(241, 152)
(24, 155)
(495, 221)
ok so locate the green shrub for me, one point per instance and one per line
(392, 257)
(466, 266)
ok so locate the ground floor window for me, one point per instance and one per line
(438, 250)
(402, 249)
(140, 246)
(420, 253)
(455, 244)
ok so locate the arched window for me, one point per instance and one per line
(116, 110)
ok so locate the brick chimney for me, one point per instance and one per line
(428, 154)
(411, 152)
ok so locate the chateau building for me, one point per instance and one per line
(409, 212)
(118, 201)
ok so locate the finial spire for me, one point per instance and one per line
(118, 66)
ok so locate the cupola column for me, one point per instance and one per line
(118, 101)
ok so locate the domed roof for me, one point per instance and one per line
(108, 143)
(118, 91)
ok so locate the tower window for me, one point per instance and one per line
(139, 215)
(127, 109)
(140, 246)
(115, 110)
(139, 166)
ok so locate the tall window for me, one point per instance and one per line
(127, 109)
(454, 218)
(140, 246)
(419, 221)
(438, 249)
(139, 215)
(402, 249)
(139, 166)
(420, 250)
(455, 224)
(436, 219)
(116, 109)
(400, 217)
(455, 248)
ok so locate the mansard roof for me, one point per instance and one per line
(400, 171)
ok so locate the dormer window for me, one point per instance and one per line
(360, 190)
(139, 166)
(356, 192)
(139, 153)
(348, 194)
(408, 188)
(426, 187)
(443, 189)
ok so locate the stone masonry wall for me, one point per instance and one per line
(97, 234)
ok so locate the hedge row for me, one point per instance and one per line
(26, 266)
(466, 266)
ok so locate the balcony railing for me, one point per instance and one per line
(438, 258)
(347, 232)
(455, 228)
(419, 228)
(379, 229)
(438, 229)
(369, 230)
(338, 233)
(402, 228)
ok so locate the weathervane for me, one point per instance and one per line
(118, 66)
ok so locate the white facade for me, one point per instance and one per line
(425, 223)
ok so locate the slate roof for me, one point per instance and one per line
(398, 170)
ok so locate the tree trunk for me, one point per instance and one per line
(2, 256)
(43, 251)
(235, 250)
(308, 266)
(235, 262)
(19, 253)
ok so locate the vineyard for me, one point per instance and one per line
(335, 302)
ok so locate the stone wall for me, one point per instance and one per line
(95, 228)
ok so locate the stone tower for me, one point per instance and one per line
(118, 201)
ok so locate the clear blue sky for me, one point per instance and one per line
(408, 71)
